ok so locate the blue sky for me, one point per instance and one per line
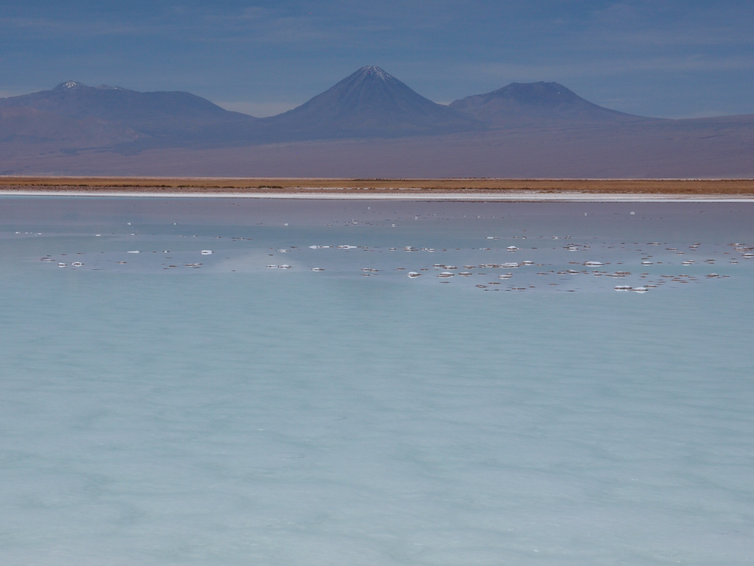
(674, 58)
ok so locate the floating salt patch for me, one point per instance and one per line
(491, 238)
(646, 263)
(318, 268)
(134, 252)
(98, 235)
(510, 264)
(413, 274)
(593, 263)
(206, 252)
(315, 247)
(283, 251)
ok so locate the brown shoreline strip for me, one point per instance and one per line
(383, 186)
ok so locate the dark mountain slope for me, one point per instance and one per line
(30, 126)
(74, 112)
(369, 103)
(114, 104)
(536, 104)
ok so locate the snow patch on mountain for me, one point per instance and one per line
(69, 85)
(377, 72)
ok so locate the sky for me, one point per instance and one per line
(667, 58)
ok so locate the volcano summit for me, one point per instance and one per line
(369, 103)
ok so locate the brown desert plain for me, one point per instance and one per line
(481, 187)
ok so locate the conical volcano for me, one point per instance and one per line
(368, 103)
(535, 104)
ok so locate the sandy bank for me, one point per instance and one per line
(474, 189)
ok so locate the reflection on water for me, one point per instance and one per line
(371, 400)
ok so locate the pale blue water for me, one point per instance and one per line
(200, 415)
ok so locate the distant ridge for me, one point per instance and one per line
(368, 103)
(73, 111)
(369, 124)
(144, 110)
(540, 104)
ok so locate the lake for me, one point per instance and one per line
(236, 381)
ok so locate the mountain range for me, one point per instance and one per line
(371, 110)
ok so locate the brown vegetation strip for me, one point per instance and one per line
(285, 185)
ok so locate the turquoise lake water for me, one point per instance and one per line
(221, 411)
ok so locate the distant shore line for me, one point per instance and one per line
(517, 196)
(477, 189)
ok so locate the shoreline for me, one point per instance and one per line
(407, 194)
(446, 189)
